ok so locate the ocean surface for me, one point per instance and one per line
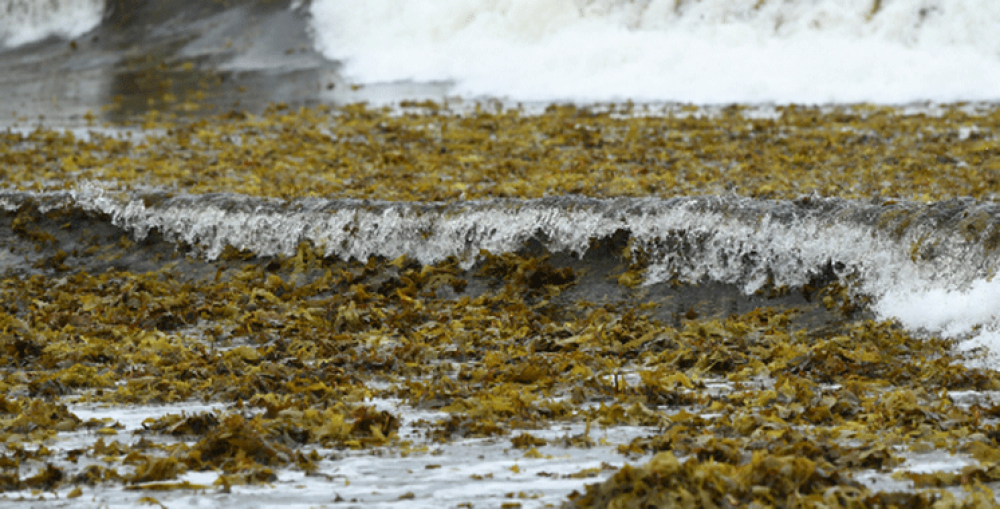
(25, 22)
(709, 51)
(706, 51)
(929, 266)
(120, 70)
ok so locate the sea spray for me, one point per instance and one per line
(712, 51)
(928, 265)
(25, 21)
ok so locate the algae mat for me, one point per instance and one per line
(421, 306)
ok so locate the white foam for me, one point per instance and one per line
(709, 51)
(971, 314)
(948, 311)
(24, 21)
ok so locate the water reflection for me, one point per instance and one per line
(183, 59)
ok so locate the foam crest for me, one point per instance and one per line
(930, 266)
(879, 247)
(25, 21)
(709, 51)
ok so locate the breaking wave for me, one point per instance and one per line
(708, 51)
(25, 21)
(928, 265)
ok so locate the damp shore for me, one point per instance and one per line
(226, 283)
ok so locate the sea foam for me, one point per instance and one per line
(25, 21)
(970, 313)
(707, 51)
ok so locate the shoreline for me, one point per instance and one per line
(261, 292)
(183, 59)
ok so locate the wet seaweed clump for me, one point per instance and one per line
(435, 154)
(790, 397)
(764, 481)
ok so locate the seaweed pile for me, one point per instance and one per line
(429, 152)
(413, 256)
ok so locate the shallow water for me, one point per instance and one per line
(475, 321)
(902, 255)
